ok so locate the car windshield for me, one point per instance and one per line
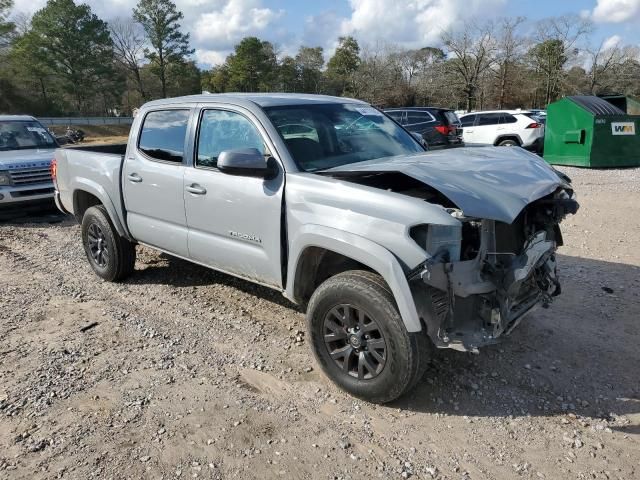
(330, 135)
(23, 135)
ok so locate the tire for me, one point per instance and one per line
(111, 256)
(405, 354)
(508, 143)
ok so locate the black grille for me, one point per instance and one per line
(30, 176)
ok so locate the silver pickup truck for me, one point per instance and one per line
(389, 249)
(26, 151)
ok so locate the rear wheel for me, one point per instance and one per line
(508, 143)
(111, 256)
(359, 339)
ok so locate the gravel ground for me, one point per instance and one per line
(182, 372)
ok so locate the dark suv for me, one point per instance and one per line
(439, 127)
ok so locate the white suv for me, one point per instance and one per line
(504, 128)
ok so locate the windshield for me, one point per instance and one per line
(330, 135)
(23, 135)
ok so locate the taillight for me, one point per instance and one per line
(534, 125)
(54, 169)
(445, 129)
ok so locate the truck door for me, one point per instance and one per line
(234, 221)
(152, 181)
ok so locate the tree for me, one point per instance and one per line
(310, 61)
(474, 52)
(557, 41)
(169, 45)
(6, 27)
(605, 65)
(288, 75)
(70, 42)
(252, 66)
(343, 65)
(509, 50)
(128, 47)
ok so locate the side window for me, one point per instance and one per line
(467, 120)
(507, 118)
(396, 115)
(222, 130)
(163, 133)
(418, 117)
(489, 119)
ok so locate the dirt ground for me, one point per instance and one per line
(185, 372)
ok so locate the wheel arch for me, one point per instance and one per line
(508, 137)
(319, 252)
(88, 194)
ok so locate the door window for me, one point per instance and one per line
(222, 130)
(489, 119)
(163, 133)
(467, 120)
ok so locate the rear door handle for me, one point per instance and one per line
(196, 189)
(134, 177)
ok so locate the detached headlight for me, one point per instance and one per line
(5, 178)
(438, 239)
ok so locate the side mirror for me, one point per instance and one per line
(420, 139)
(248, 162)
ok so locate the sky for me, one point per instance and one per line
(215, 26)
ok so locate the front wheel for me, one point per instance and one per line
(359, 339)
(111, 256)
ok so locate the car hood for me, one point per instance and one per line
(495, 183)
(15, 159)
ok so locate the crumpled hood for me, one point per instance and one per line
(495, 183)
(14, 159)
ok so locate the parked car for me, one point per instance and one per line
(387, 248)
(26, 151)
(439, 127)
(503, 128)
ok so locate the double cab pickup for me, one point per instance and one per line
(389, 249)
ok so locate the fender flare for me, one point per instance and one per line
(95, 189)
(364, 251)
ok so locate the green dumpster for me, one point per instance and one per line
(588, 131)
(626, 104)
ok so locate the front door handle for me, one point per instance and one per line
(196, 189)
(134, 177)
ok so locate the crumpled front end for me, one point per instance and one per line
(481, 281)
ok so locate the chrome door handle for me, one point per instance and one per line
(134, 177)
(196, 189)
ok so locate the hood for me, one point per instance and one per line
(495, 183)
(14, 159)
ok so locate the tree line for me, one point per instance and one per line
(66, 60)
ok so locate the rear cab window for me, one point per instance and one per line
(163, 133)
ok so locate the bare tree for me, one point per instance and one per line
(128, 47)
(558, 40)
(510, 46)
(474, 52)
(604, 63)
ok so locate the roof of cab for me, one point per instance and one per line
(260, 99)
(16, 118)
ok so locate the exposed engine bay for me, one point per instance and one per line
(481, 278)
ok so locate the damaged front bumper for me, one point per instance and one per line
(469, 304)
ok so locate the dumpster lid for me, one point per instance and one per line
(596, 105)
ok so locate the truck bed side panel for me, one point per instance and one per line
(93, 172)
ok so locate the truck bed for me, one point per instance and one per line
(94, 170)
